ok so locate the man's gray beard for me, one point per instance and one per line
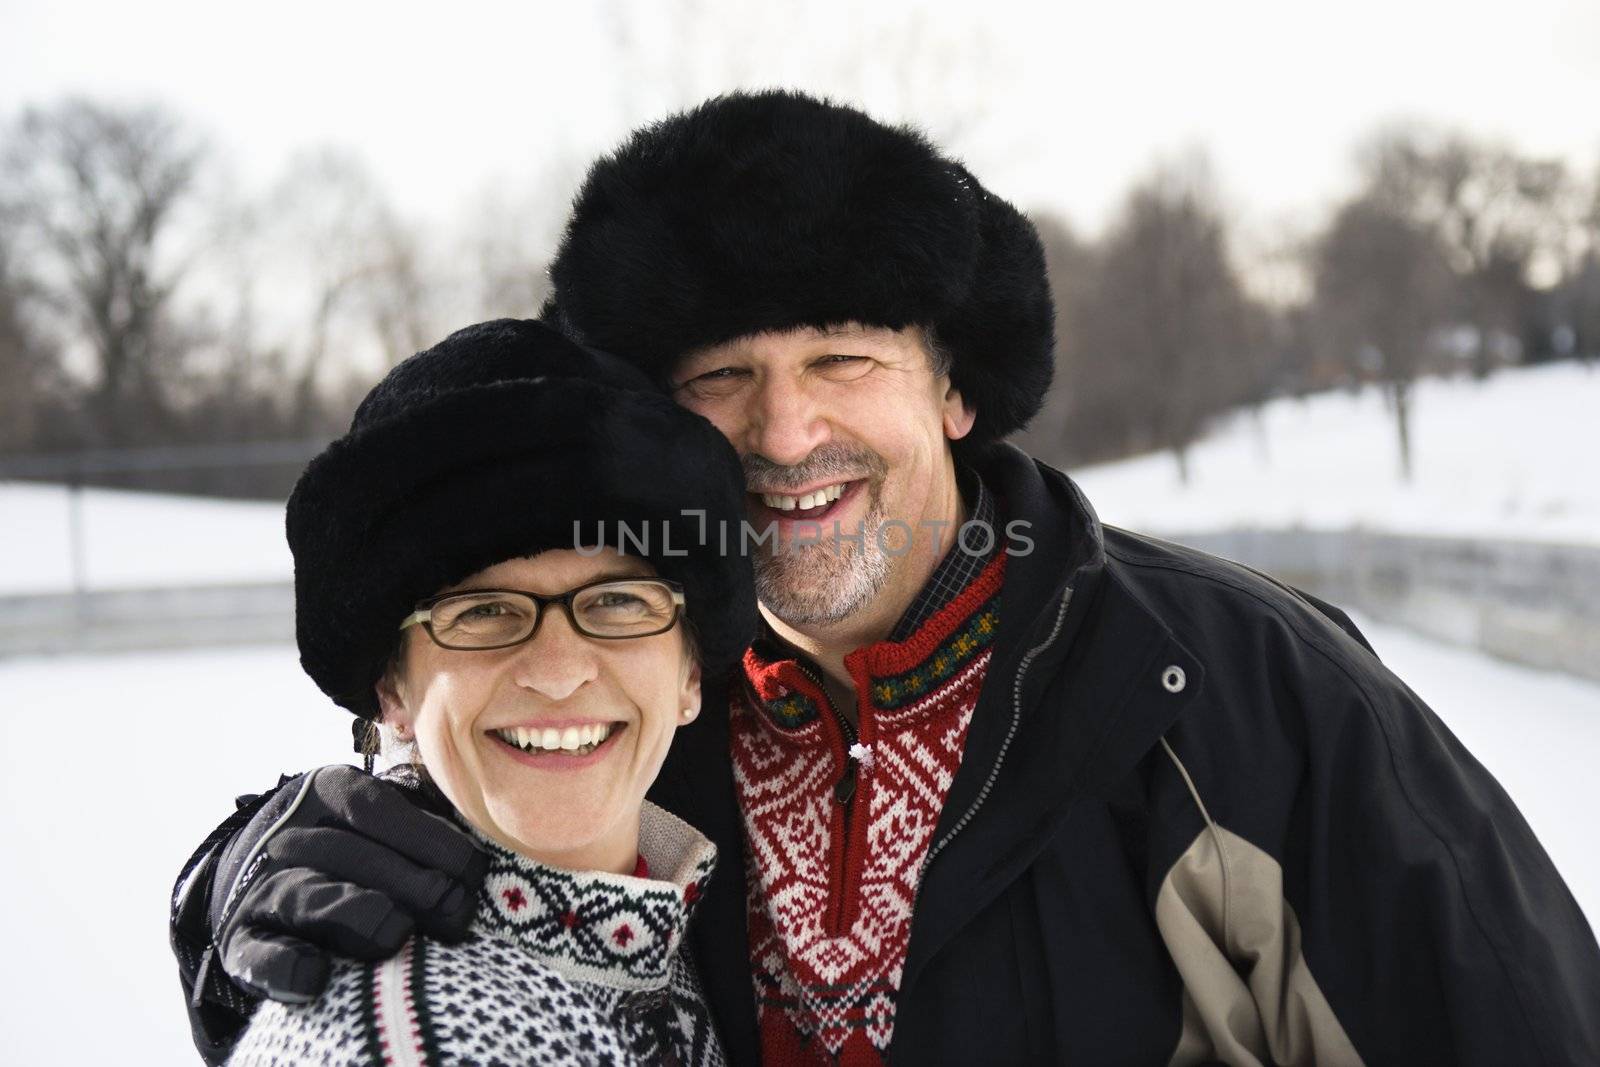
(817, 584)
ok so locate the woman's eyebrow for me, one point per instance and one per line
(608, 576)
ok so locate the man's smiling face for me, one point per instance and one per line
(840, 430)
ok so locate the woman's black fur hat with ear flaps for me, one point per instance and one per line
(504, 440)
(774, 210)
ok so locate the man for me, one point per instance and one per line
(997, 784)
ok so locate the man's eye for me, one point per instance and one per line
(840, 364)
(718, 380)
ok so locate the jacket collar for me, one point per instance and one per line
(1073, 700)
(590, 926)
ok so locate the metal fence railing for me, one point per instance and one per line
(1529, 602)
(76, 471)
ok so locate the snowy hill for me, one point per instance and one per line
(1511, 457)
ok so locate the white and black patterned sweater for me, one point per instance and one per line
(560, 967)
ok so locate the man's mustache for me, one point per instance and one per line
(838, 462)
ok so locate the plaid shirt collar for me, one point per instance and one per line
(975, 545)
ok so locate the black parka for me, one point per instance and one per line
(1196, 820)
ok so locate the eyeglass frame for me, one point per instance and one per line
(422, 612)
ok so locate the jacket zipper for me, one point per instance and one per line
(1011, 733)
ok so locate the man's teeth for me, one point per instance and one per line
(827, 494)
(577, 739)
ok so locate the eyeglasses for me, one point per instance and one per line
(612, 609)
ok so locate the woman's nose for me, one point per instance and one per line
(557, 660)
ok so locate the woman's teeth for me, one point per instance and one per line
(826, 495)
(579, 740)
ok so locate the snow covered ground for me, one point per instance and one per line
(112, 768)
(1510, 457)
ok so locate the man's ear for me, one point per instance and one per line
(958, 414)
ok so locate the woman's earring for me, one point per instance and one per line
(690, 713)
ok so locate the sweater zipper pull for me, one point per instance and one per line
(860, 756)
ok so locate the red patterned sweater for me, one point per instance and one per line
(838, 822)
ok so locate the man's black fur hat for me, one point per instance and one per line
(501, 441)
(772, 210)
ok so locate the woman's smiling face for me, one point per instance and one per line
(574, 809)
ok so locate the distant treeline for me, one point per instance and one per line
(149, 308)
(1454, 256)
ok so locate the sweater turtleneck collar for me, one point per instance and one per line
(592, 926)
(893, 680)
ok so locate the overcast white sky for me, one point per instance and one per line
(1053, 105)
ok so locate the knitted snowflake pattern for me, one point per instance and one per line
(559, 968)
(833, 870)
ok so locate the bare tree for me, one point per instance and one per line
(1496, 215)
(1168, 327)
(889, 57)
(26, 364)
(97, 191)
(1070, 417)
(1382, 290)
(508, 241)
(1584, 281)
(351, 269)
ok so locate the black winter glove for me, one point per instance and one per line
(339, 863)
(334, 862)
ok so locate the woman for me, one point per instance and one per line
(458, 578)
